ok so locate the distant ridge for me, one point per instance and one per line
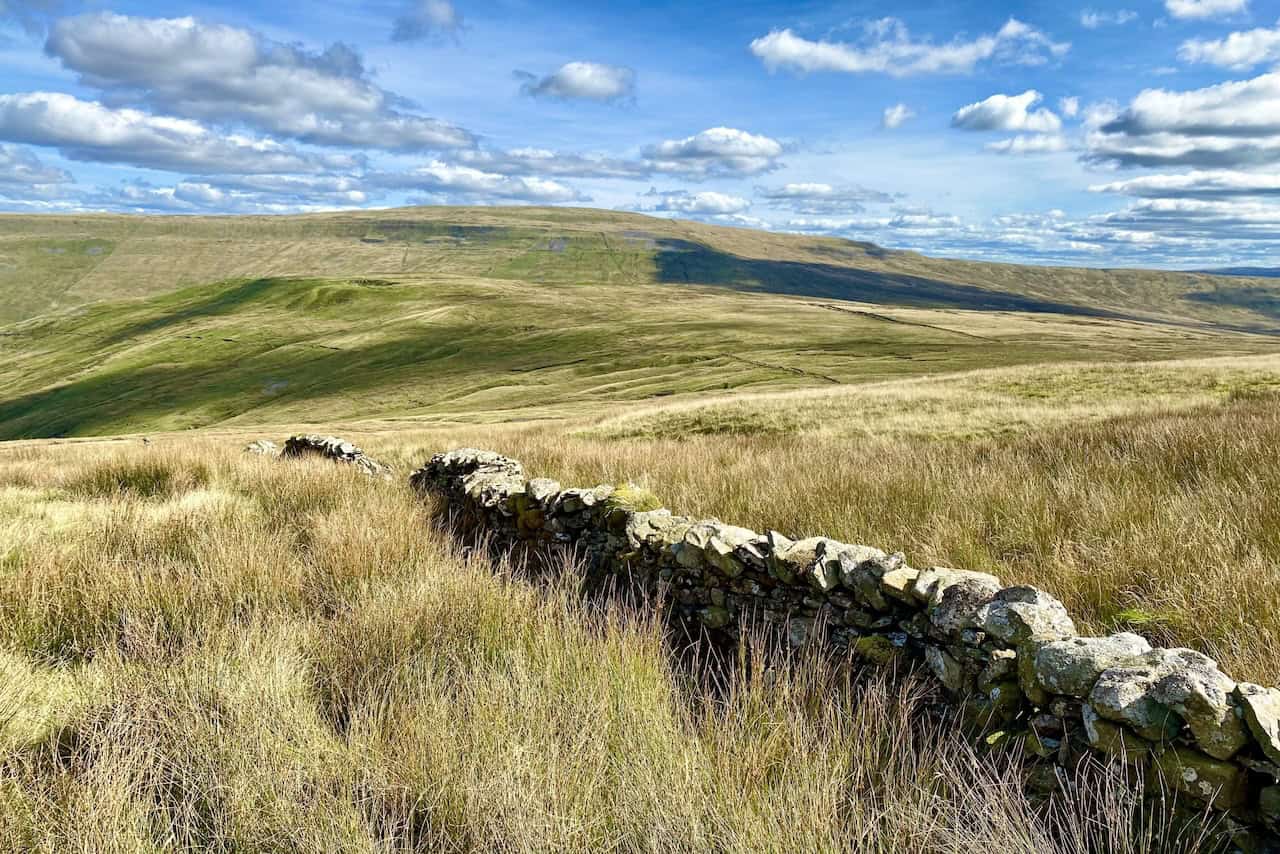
(1250, 272)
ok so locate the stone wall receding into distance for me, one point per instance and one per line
(325, 447)
(1009, 656)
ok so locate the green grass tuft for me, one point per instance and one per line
(145, 478)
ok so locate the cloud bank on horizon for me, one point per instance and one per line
(1124, 134)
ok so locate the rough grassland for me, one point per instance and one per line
(200, 651)
(286, 350)
(50, 263)
(994, 402)
(203, 651)
(1165, 523)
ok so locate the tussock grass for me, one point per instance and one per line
(975, 404)
(1165, 523)
(153, 476)
(288, 657)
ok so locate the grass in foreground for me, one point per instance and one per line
(262, 656)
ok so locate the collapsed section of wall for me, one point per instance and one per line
(328, 447)
(1009, 655)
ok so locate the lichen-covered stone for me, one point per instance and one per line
(1260, 708)
(799, 631)
(1001, 666)
(998, 706)
(861, 571)
(932, 582)
(720, 554)
(698, 535)
(824, 572)
(954, 606)
(1018, 614)
(688, 555)
(1113, 739)
(946, 668)
(1046, 778)
(448, 469)
(877, 649)
(1072, 666)
(1192, 685)
(337, 450)
(543, 489)
(1269, 805)
(262, 448)
(785, 561)
(1042, 744)
(1222, 784)
(655, 528)
(1124, 695)
(714, 617)
(1027, 681)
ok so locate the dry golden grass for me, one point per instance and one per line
(990, 402)
(211, 652)
(1166, 523)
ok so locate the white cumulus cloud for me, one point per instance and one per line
(1091, 19)
(895, 116)
(890, 49)
(21, 167)
(1238, 51)
(1039, 143)
(708, 203)
(1008, 113)
(217, 73)
(270, 196)
(1229, 125)
(545, 161)
(820, 199)
(716, 151)
(453, 182)
(587, 81)
(1218, 183)
(89, 130)
(1195, 9)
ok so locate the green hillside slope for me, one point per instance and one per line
(58, 262)
(307, 350)
(513, 314)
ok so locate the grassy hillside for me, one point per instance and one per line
(58, 262)
(200, 650)
(290, 350)
(494, 314)
(973, 404)
(205, 652)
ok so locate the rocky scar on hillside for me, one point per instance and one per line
(326, 447)
(1009, 656)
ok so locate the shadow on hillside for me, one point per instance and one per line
(214, 388)
(223, 300)
(686, 262)
(1264, 301)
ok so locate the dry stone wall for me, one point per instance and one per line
(328, 447)
(1008, 655)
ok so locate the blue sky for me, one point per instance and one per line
(1108, 133)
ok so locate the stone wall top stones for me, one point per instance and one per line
(332, 448)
